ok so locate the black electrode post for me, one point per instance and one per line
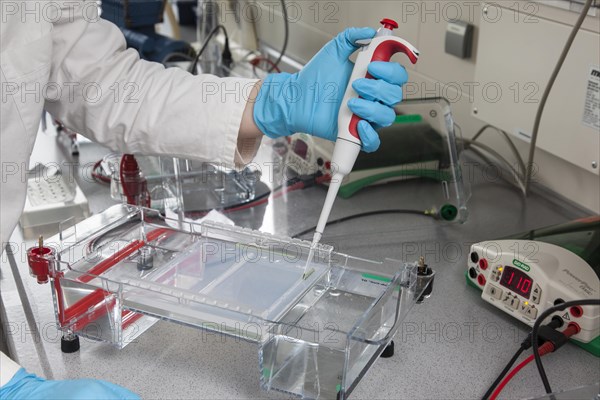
(424, 270)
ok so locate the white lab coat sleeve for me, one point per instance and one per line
(8, 369)
(104, 91)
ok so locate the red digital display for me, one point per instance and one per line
(517, 281)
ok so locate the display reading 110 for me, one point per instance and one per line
(517, 281)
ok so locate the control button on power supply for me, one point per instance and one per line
(536, 294)
(494, 292)
(511, 301)
(524, 308)
(531, 312)
(528, 310)
(496, 272)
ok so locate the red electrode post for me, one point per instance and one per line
(133, 182)
(39, 263)
(389, 24)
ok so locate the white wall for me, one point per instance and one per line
(564, 160)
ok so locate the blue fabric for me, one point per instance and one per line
(31, 387)
(309, 101)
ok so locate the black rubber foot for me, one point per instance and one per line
(389, 350)
(69, 345)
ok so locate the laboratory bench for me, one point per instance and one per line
(451, 346)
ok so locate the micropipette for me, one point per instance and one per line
(348, 145)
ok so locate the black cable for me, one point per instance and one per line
(363, 215)
(504, 372)
(286, 36)
(178, 56)
(556, 322)
(536, 328)
(542, 104)
(205, 45)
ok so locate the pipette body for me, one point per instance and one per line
(348, 145)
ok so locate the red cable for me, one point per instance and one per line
(129, 172)
(254, 62)
(122, 178)
(323, 179)
(572, 329)
(544, 349)
(511, 375)
(548, 347)
(97, 175)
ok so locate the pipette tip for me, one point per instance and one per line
(306, 274)
(311, 254)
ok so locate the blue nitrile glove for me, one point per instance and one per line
(29, 386)
(309, 101)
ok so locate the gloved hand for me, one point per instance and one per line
(24, 385)
(309, 101)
